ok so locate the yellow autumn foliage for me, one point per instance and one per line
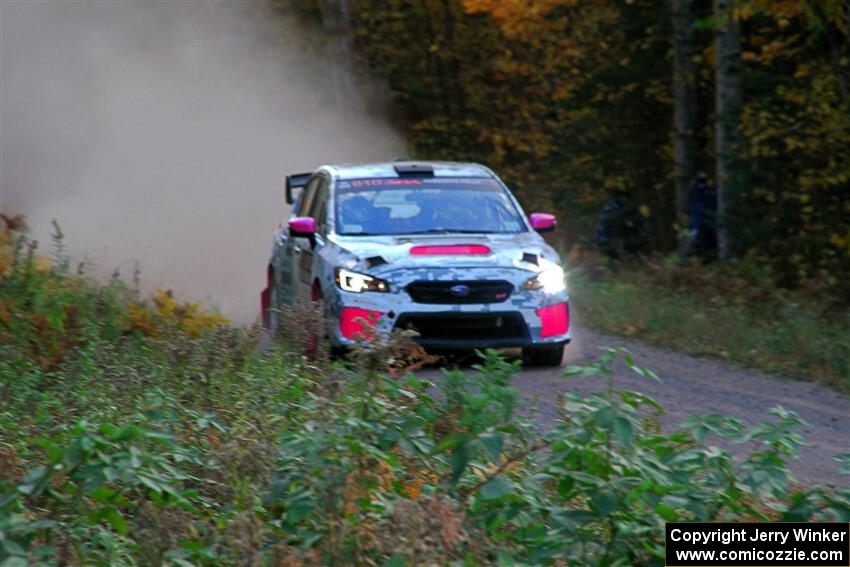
(148, 319)
(8, 243)
(189, 317)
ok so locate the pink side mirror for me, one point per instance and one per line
(302, 226)
(543, 222)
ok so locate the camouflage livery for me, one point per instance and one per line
(433, 290)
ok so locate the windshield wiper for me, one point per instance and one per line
(452, 231)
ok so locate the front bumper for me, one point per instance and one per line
(526, 318)
(473, 330)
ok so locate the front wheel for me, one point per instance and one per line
(318, 340)
(543, 355)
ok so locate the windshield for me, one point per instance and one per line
(424, 205)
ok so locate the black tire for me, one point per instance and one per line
(339, 353)
(543, 355)
(322, 338)
(271, 317)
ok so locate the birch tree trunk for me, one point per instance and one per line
(727, 44)
(684, 109)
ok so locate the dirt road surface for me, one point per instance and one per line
(692, 386)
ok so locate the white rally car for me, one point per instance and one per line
(442, 248)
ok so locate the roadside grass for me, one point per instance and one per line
(702, 311)
(139, 431)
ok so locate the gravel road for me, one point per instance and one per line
(693, 386)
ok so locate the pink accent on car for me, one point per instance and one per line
(450, 250)
(356, 323)
(542, 222)
(554, 320)
(302, 226)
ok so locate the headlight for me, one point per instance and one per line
(550, 280)
(352, 281)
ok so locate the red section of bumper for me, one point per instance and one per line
(555, 320)
(357, 323)
(450, 250)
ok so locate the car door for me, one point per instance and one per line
(281, 257)
(308, 257)
(292, 247)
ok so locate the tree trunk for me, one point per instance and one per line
(727, 45)
(684, 110)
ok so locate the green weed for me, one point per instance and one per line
(188, 446)
(727, 317)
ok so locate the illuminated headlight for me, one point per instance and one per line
(352, 281)
(550, 280)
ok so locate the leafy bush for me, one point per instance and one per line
(196, 448)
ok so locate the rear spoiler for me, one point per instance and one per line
(295, 181)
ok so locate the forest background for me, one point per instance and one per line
(571, 101)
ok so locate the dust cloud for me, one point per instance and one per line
(159, 133)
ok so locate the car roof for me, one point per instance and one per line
(387, 169)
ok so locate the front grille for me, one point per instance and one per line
(460, 292)
(464, 326)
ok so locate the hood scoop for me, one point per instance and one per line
(531, 258)
(373, 261)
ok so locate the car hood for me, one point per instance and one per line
(382, 254)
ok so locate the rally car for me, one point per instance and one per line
(441, 248)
